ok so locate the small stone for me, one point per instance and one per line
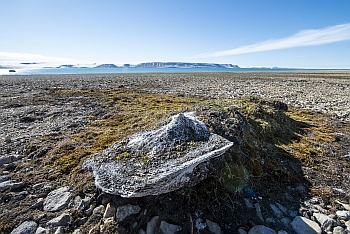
(168, 228)
(6, 184)
(339, 230)
(282, 208)
(4, 178)
(282, 232)
(248, 203)
(57, 200)
(41, 230)
(109, 212)
(261, 229)
(213, 227)
(89, 211)
(152, 224)
(27, 227)
(59, 230)
(99, 210)
(270, 220)
(77, 231)
(302, 225)
(301, 189)
(80, 204)
(7, 139)
(200, 224)
(62, 220)
(125, 211)
(38, 205)
(343, 214)
(278, 213)
(286, 222)
(6, 159)
(241, 231)
(39, 185)
(325, 222)
(347, 224)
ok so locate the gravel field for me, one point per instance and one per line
(40, 114)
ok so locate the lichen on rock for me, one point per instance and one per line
(158, 161)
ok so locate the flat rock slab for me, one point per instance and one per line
(57, 200)
(158, 161)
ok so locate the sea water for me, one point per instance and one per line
(43, 71)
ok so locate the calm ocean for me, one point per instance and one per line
(130, 70)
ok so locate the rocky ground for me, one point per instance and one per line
(298, 183)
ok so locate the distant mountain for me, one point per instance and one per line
(106, 66)
(182, 65)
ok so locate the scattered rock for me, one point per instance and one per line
(152, 224)
(57, 200)
(42, 230)
(241, 231)
(89, 211)
(303, 225)
(213, 227)
(10, 184)
(125, 211)
(62, 220)
(4, 178)
(261, 229)
(39, 185)
(6, 159)
(278, 213)
(27, 227)
(38, 205)
(59, 230)
(99, 210)
(325, 222)
(168, 228)
(343, 214)
(339, 230)
(79, 203)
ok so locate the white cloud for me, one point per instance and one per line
(22, 57)
(310, 37)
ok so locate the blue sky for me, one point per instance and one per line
(295, 33)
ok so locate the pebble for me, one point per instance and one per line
(261, 229)
(168, 228)
(59, 230)
(125, 211)
(42, 230)
(57, 200)
(152, 224)
(342, 214)
(62, 220)
(213, 227)
(325, 222)
(302, 225)
(339, 230)
(4, 178)
(38, 205)
(278, 213)
(27, 227)
(99, 210)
